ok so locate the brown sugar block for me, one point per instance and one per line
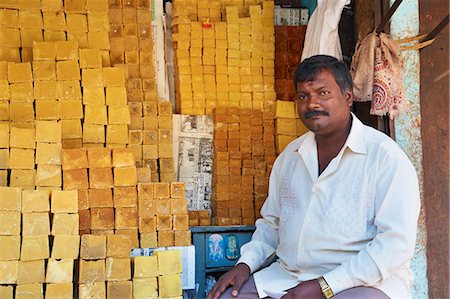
(147, 207)
(8, 272)
(83, 201)
(90, 58)
(21, 158)
(166, 238)
(75, 179)
(92, 271)
(102, 218)
(177, 190)
(93, 247)
(145, 287)
(92, 77)
(68, 70)
(144, 174)
(125, 197)
(71, 129)
(59, 271)
(66, 50)
(19, 72)
(35, 224)
(100, 198)
(100, 178)
(118, 245)
(145, 191)
(48, 153)
(48, 176)
(180, 222)
(123, 157)
(34, 248)
(178, 206)
(125, 176)
(149, 240)
(74, 159)
(64, 201)
(59, 290)
(161, 190)
(118, 269)
(6, 292)
(132, 233)
(10, 223)
(22, 137)
(10, 248)
(119, 289)
(66, 247)
(35, 200)
(162, 206)
(113, 76)
(147, 224)
(10, 199)
(126, 218)
(99, 157)
(170, 285)
(65, 224)
(145, 266)
(84, 219)
(117, 134)
(183, 238)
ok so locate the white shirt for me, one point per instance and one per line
(355, 224)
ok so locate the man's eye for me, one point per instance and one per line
(302, 97)
(324, 93)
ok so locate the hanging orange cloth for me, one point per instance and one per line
(377, 72)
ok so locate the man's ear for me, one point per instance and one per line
(349, 97)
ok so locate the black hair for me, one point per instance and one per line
(309, 68)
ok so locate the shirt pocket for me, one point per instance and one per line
(290, 206)
(349, 211)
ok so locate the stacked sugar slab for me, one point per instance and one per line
(158, 275)
(26, 262)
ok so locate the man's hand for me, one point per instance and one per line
(306, 290)
(235, 277)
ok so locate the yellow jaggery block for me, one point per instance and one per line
(122, 157)
(54, 21)
(145, 266)
(19, 72)
(66, 50)
(102, 218)
(35, 224)
(76, 23)
(92, 290)
(44, 70)
(118, 269)
(35, 201)
(92, 271)
(166, 238)
(9, 271)
(48, 153)
(93, 247)
(74, 158)
(98, 21)
(116, 95)
(180, 222)
(22, 92)
(65, 224)
(44, 51)
(71, 109)
(10, 248)
(163, 222)
(21, 158)
(118, 246)
(66, 247)
(47, 109)
(68, 70)
(90, 58)
(93, 133)
(70, 89)
(48, 131)
(64, 201)
(59, 271)
(34, 290)
(183, 238)
(149, 240)
(24, 178)
(48, 176)
(113, 76)
(6, 292)
(126, 218)
(169, 261)
(119, 114)
(98, 40)
(119, 289)
(34, 248)
(99, 157)
(145, 287)
(170, 285)
(92, 77)
(117, 134)
(59, 290)
(10, 199)
(95, 115)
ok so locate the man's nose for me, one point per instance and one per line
(313, 101)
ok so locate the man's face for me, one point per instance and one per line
(322, 106)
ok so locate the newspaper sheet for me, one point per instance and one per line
(193, 157)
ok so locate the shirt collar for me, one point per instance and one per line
(355, 140)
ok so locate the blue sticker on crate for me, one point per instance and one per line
(232, 247)
(215, 247)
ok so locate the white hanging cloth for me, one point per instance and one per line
(322, 33)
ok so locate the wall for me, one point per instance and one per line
(434, 93)
(405, 23)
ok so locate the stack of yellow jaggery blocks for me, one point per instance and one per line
(287, 124)
(224, 64)
(26, 260)
(163, 216)
(243, 156)
(158, 276)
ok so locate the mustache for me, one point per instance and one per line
(313, 113)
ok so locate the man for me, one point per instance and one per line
(342, 209)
